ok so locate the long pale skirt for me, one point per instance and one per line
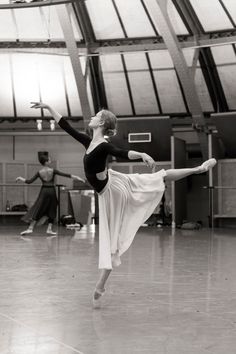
(125, 203)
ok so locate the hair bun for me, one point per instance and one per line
(109, 123)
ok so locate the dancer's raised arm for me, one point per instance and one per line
(56, 115)
(84, 139)
(59, 173)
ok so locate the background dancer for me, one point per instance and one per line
(46, 203)
(125, 200)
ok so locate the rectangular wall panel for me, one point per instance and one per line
(227, 77)
(211, 20)
(134, 18)
(169, 92)
(117, 93)
(26, 85)
(176, 20)
(104, 19)
(231, 7)
(203, 92)
(14, 194)
(6, 148)
(143, 94)
(6, 94)
(29, 24)
(224, 54)
(7, 26)
(52, 86)
(71, 88)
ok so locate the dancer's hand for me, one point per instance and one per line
(39, 105)
(20, 179)
(148, 160)
(56, 115)
(77, 178)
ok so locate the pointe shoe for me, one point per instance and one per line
(208, 164)
(26, 232)
(97, 295)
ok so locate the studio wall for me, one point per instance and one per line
(62, 148)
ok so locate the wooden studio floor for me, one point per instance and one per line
(175, 293)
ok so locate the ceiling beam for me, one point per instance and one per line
(204, 56)
(85, 22)
(213, 81)
(21, 5)
(117, 46)
(188, 16)
(64, 18)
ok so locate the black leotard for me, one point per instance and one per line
(95, 161)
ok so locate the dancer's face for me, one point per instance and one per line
(96, 121)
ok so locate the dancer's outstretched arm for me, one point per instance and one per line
(129, 154)
(134, 155)
(59, 173)
(28, 181)
(78, 178)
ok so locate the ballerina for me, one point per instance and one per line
(46, 203)
(125, 200)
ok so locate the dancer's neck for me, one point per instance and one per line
(98, 136)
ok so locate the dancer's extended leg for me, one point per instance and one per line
(176, 174)
(100, 287)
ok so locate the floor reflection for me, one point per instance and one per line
(174, 293)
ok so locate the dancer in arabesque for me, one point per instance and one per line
(46, 203)
(125, 200)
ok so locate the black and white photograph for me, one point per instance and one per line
(117, 176)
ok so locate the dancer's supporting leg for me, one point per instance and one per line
(176, 174)
(100, 287)
(30, 228)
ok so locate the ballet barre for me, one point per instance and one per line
(19, 185)
(58, 187)
(218, 187)
(213, 216)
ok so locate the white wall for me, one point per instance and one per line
(6, 148)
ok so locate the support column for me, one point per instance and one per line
(63, 14)
(97, 83)
(162, 21)
(193, 68)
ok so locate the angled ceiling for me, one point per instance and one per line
(126, 59)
